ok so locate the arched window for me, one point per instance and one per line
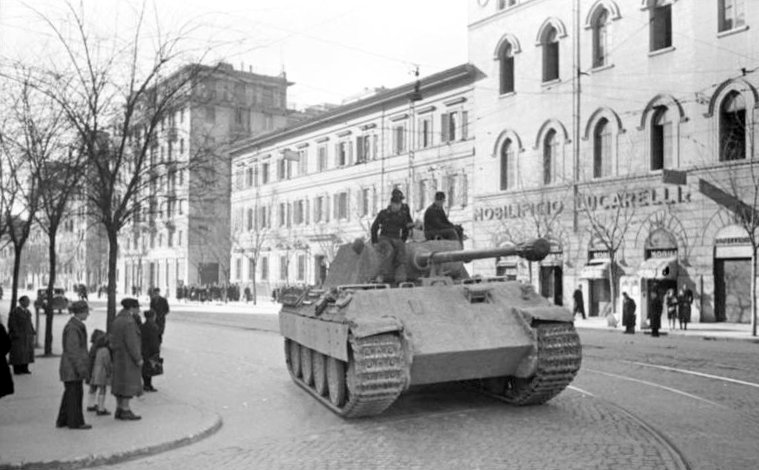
(506, 59)
(600, 37)
(602, 149)
(732, 127)
(508, 165)
(550, 156)
(550, 43)
(662, 139)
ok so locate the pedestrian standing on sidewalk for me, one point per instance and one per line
(579, 306)
(127, 359)
(628, 313)
(101, 372)
(21, 331)
(684, 301)
(74, 368)
(670, 302)
(151, 349)
(655, 315)
(6, 379)
(160, 306)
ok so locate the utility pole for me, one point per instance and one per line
(576, 102)
(414, 96)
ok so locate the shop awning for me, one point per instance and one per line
(658, 268)
(596, 270)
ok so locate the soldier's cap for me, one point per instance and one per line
(440, 196)
(79, 306)
(397, 192)
(129, 303)
(396, 199)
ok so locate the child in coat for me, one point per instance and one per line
(101, 370)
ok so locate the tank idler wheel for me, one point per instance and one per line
(292, 352)
(306, 365)
(336, 381)
(320, 373)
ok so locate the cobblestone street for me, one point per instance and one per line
(618, 414)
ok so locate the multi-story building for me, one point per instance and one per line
(180, 234)
(300, 192)
(624, 131)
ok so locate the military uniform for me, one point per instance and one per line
(437, 225)
(389, 233)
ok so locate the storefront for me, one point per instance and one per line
(657, 273)
(732, 275)
(596, 274)
(551, 275)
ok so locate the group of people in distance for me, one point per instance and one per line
(392, 226)
(678, 308)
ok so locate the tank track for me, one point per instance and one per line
(559, 359)
(375, 377)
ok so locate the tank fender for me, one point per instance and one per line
(549, 313)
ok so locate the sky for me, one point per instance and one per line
(331, 49)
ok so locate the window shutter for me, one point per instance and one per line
(464, 125)
(349, 144)
(307, 210)
(336, 206)
(445, 120)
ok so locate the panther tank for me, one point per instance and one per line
(357, 344)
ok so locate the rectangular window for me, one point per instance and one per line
(301, 267)
(451, 126)
(282, 214)
(283, 268)
(425, 132)
(343, 153)
(170, 238)
(263, 220)
(249, 177)
(422, 195)
(341, 206)
(399, 139)
(179, 238)
(322, 155)
(210, 115)
(264, 268)
(366, 198)
(661, 25)
(238, 266)
(298, 212)
(319, 209)
(265, 173)
(364, 149)
(238, 116)
(452, 196)
(732, 14)
(302, 162)
(251, 219)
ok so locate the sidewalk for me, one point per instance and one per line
(707, 331)
(30, 439)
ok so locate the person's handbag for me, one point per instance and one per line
(156, 365)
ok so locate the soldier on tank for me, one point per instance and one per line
(436, 223)
(389, 233)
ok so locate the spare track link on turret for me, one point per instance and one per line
(559, 358)
(375, 379)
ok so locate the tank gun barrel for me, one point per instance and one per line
(532, 250)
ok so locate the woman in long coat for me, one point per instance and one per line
(628, 313)
(21, 331)
(6, 379)
(684, 301)
(151, 348)
(127, 358)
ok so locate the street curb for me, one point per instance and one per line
(118, 457)
(702, 337)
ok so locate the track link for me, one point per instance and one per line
(559, 358)
(375, 376)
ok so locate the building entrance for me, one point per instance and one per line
(732, 275)
(551, 280)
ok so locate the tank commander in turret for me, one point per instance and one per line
(436, 223)
(389, 233)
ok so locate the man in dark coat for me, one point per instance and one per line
(74, 368)
(579, 306)
(628, 313)
(126, 346)
(21, 331)
(436, 223)
(389, 233)
(160, 306)
(684, 301)
(6, 379)
(151, 348)
(654, 316)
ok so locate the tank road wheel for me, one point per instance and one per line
(320, 373)
(292, 353)
(559, 358)
(306, 365)
(336, 381)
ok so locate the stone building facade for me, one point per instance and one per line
(625, 132)
(299, 193)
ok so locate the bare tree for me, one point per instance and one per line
(250, 243)
(117, 103)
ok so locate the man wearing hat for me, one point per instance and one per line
(126, 345)
(436, 223)
(389, 233)
(74, 368)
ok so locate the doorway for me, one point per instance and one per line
(551, 284)
(732, 290)
(599, 297)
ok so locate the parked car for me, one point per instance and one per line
(60, 302)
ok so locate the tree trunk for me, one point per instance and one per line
(50, 288)
(753, 291)
(613, 283)
(253, 279)
(16, 268)
(113, 246)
